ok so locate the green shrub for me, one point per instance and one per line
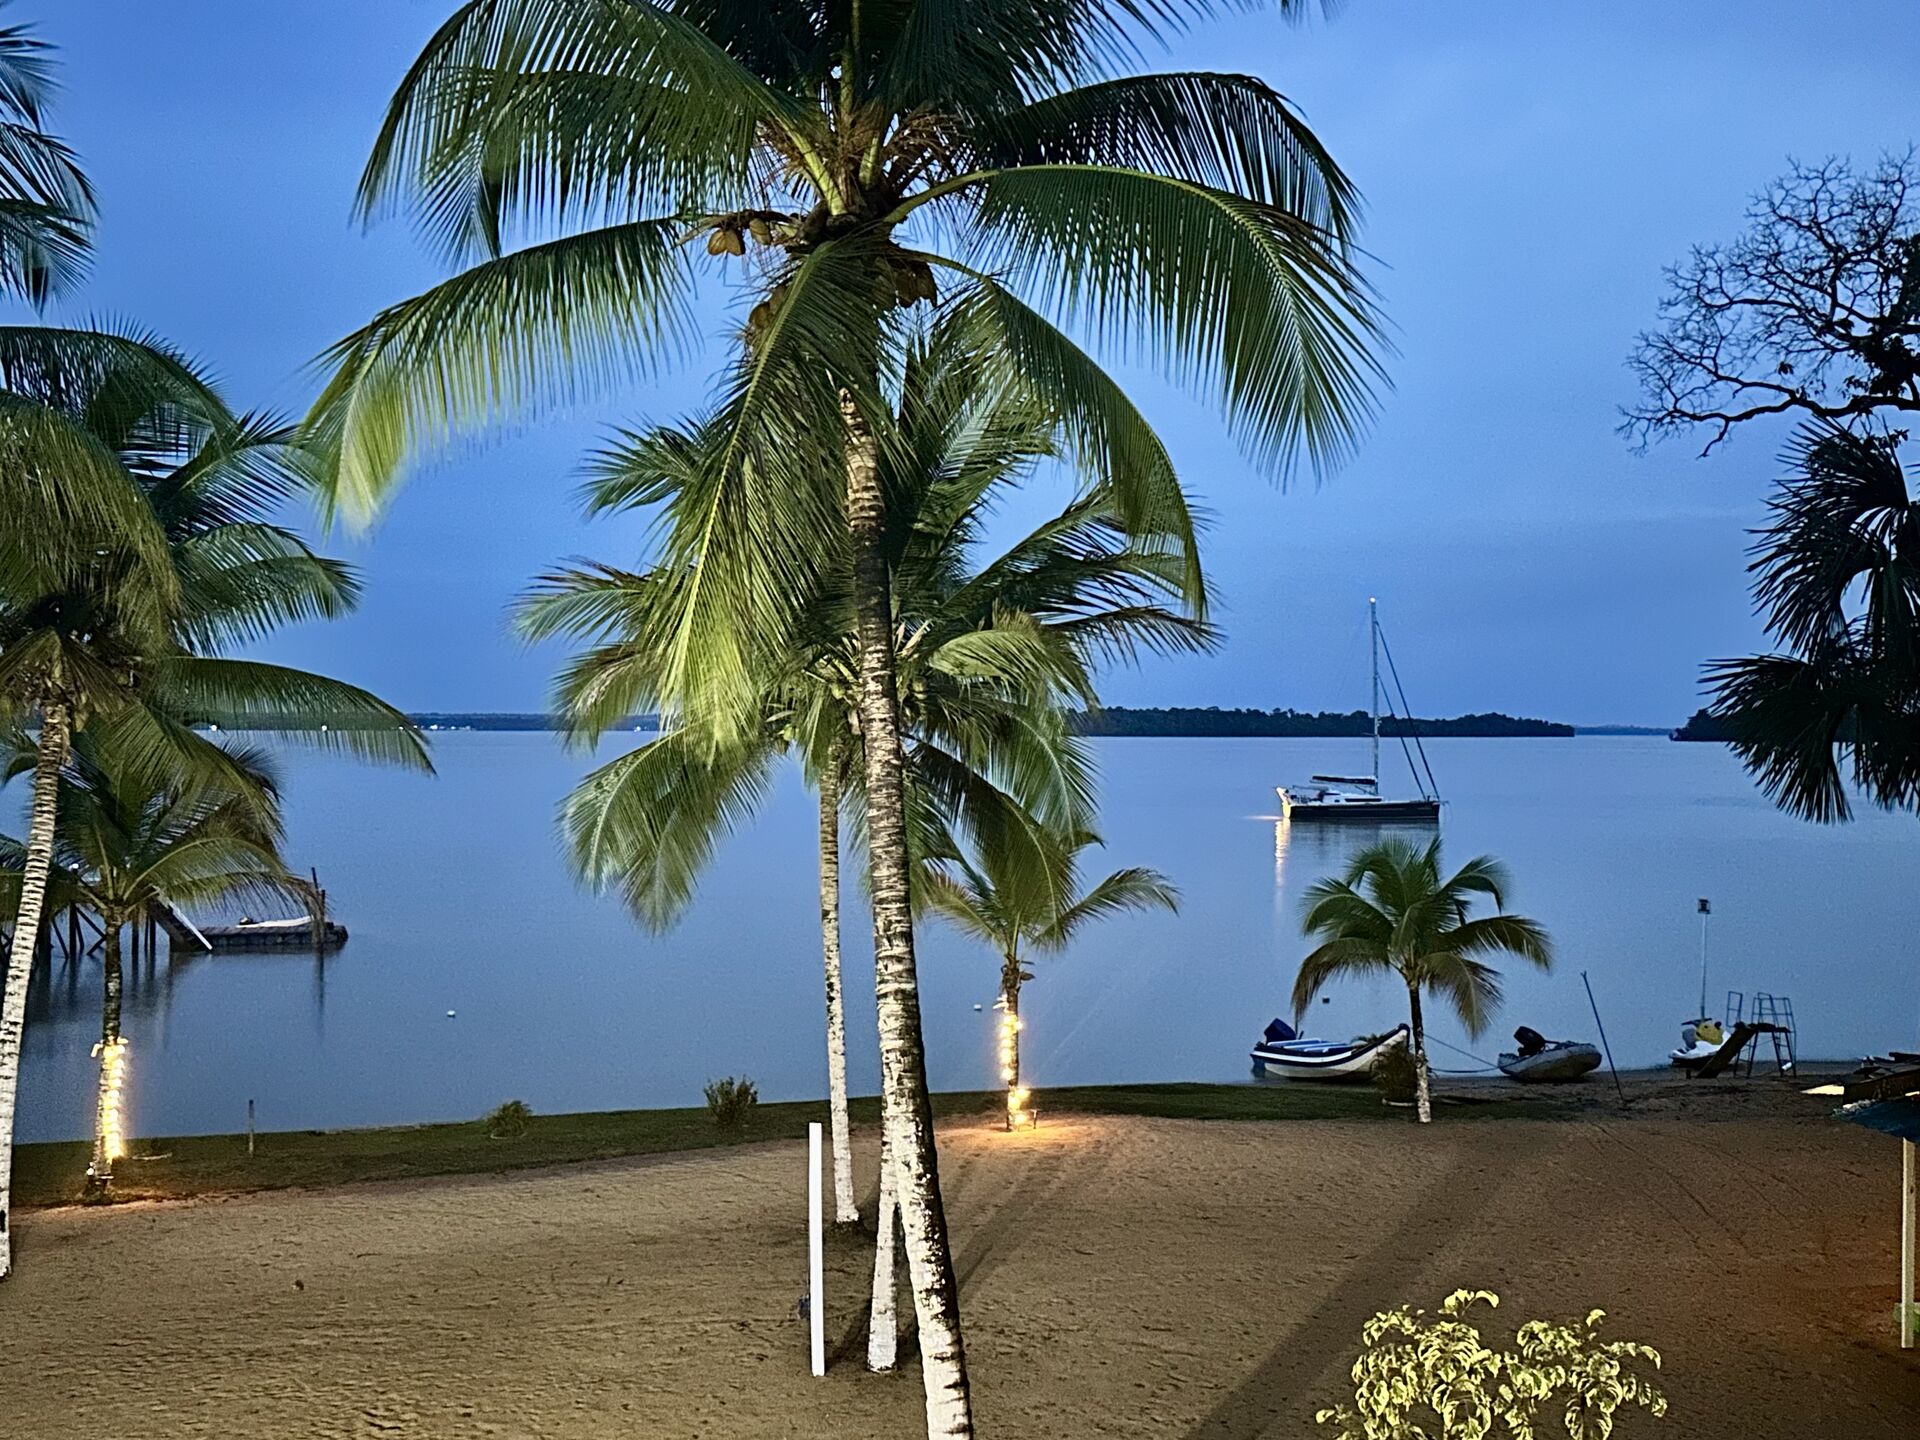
(1439, 1378)
(1394, 1075)
(510, 1121)
(731, 1101)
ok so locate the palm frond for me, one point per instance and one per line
(1213, 286)
(647, 823)
(1344, 955)
(543, 325)
(311, 709)
(1503, 935)
(1131, 889)
(560, 111)
(1112, 442)
(1227, 132)
(1472, 989)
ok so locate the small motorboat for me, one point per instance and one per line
(1282, 1052)
(1543, 1061)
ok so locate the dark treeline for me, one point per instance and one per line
(1186, 720)
(1705, 725)
(1117, 720)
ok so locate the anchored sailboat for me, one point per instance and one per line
(1358, 797)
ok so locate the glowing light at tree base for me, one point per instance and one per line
(1018, 1112)
(113, 1079)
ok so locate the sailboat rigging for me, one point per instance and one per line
(1358, 797)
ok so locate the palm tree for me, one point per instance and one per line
(138, 557)
(1839, 585)
(1393, 912)
(125, 844)
(1021, 909)
(988, 653)
(570, 147)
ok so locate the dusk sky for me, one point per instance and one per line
(1528, 169)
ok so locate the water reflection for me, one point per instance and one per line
(1317, 851)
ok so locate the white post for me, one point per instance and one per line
(1908, 1318)
(816, 1256)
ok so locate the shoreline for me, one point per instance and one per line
(49, 1174)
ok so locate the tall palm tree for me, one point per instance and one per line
(124, 844)
(988, 650)
(1838, 582)
(135, 556)
(1021, 909)
(1393, 912)
(570, 147)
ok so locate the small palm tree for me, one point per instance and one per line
(135, 556)
(990, 652)
(124, 844)
(1022, 909)
(1393, 912)
(1839, 585)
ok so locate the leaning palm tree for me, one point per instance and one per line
(131, 563)
(126, 844)
(991, 650)
(1393, 912)
(1021, 910)
(854, 157)
(1838, 582)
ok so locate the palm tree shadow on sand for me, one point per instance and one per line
(1277, 1397)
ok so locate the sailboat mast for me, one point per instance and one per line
(1373, 634)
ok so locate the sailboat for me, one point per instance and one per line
(1358, 797)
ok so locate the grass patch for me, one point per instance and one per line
(52, 1174)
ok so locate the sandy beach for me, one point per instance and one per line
(1122, 1277)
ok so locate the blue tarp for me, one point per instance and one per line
(1899, 1118)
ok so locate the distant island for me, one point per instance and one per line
(1120, 720)
(1123, 720)
(1705, 725)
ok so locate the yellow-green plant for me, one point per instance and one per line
(1418, 1373)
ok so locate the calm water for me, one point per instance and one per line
(458, 901)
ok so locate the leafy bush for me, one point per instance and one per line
(1394, 1074)
(510, 1121)
(1416, 1371)
(731, 1101)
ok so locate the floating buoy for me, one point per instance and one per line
(449, 1014)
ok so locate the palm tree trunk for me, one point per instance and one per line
(845, 1210)
(883, 1329)
(1422, 1096)
(105, 1123)
(56, 735)
(1010, 1008)
(907, 1111)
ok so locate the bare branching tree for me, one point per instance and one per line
(1814, 311)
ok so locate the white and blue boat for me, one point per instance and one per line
(1297, 1057)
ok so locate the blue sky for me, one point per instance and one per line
(1528, 169)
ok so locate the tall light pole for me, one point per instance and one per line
(1706, 909)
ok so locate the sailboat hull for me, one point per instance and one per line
(1361, 810)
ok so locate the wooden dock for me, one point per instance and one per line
(302, 932)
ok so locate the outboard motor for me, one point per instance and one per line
(1279, 1032)
(1531, 1041)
